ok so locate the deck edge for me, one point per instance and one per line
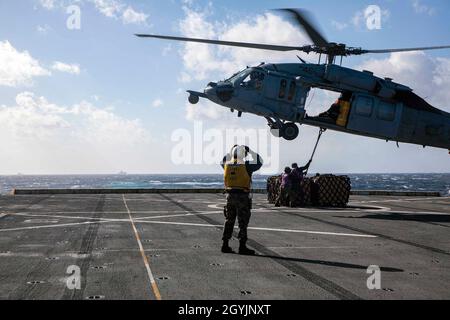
(207, 191)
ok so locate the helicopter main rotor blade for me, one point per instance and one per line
(405, 49)
(304, 19)
(229, 43)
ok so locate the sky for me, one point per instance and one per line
(80, 94)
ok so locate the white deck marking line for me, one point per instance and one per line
(422, 212)
(263, 229)
(107, 212)
(402, 200)
(335, 247)
(307, 210)
(164, 200)
(179, 215)
(65, 212)
(137, 250)
(110, 219)
(299, 210)
(144, 256)
(52, 226)
(67, 217)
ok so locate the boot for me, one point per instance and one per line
(226, 247)
(244, 250)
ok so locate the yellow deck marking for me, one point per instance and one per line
(144, 257)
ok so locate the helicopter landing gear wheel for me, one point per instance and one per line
(290, 131)
(193, 99)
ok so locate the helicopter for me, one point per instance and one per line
(368, 105)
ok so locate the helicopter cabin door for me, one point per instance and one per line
(281, 95)
(372, 116)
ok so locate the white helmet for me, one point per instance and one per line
(238, 152)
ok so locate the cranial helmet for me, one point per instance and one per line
(238, 152)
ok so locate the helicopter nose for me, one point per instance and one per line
(222, 91)
(210, 90)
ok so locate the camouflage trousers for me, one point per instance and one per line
(238, 206)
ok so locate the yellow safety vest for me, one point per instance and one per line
(343, 113)
(236, 176)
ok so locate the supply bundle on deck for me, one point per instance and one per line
(323, 191)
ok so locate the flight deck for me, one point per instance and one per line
(167, 246)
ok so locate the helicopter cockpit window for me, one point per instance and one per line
(239, 77)
(253, 80)
(282, 93)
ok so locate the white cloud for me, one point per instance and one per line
(42, 137)
(428, 76)
(43, 29)
(157, 103)
(357, 18)
(419, 7)
(48, 4)
(115, 9)
(36, 117)
(339, 25)
(203, 61)
(109, 8)
(31, 117)
(167, 49)
(204, 110)
(67, 68)
(18, 68)
(119, 10)
(130, 16)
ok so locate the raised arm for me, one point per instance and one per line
(224, 160)
(306, 167)
(256, 163)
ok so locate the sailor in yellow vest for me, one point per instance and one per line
(238, 180)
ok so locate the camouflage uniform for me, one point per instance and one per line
(237, 180)
(238, 205)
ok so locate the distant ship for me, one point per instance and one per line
(122, 173)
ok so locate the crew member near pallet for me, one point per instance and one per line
(238, 179)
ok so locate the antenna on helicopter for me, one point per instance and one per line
(303, 61)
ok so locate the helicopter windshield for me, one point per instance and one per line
(253, 80)
(249, 78)
(240, 76)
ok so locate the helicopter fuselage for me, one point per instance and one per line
(368, 106)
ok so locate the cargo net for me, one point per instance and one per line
(322, 191)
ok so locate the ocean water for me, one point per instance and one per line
(405, 182)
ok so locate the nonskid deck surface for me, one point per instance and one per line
(151, 246)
